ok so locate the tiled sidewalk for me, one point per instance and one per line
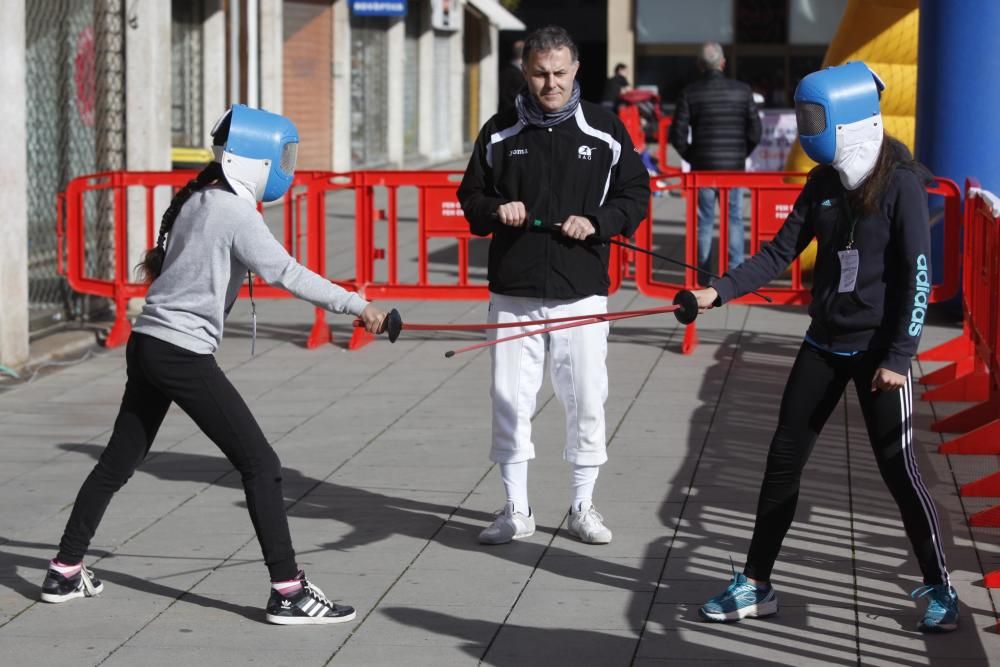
(388, 485)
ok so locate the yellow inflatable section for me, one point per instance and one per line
(882, 33)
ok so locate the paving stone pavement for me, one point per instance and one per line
(387, 484)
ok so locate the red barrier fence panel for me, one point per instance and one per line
(946, 286)
(959, 350)
(412, 241)
(390, 230)
(438, 215)
(630, 114)
(981, 326)
(663, 142)
(630, 118)
(771, 198)
(117, 287)
(313, 196)
(430, 211)
(772, 195)
(116, 192)
(980, 424)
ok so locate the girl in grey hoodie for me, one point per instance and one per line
(210, 237)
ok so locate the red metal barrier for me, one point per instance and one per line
(120, 286)
(663, 146)
(975, 373)
(378, 270)
(630, 118)
(772, 195)
(630, 114)
(980, 424)
(381, 233)
(438, 215)
(980, 339)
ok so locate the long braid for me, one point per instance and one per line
(152, 263)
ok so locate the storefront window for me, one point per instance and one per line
(683, 22)
(799, 66)
(761, 21)
(411, 82)
(668, 73)
(185, 73)
(369, 90)
(814, 21)
(766, 76)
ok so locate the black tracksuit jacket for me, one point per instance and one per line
(585, 166)
(886, 310)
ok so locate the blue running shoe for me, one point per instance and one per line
(942, 608)
(741, 599)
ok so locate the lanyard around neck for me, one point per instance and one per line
(853, 222)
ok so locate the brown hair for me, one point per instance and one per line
(893, 153)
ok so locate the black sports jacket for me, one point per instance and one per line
(585, 166)
(722, 116)
(886, 309)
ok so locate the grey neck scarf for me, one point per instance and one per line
(530, 113)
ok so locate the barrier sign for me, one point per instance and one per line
(443, 213)
(778, 133)
(773, 206)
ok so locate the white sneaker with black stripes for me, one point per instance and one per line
(58, 588)
(308, 606)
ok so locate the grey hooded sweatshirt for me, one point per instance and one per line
(216, 237)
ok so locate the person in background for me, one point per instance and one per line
(615, 86)
(721, 117)
(511, 79)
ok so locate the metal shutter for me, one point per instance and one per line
(369, 91)
(411, 82)
(442, 124)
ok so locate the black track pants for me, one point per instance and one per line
(160, 373)
(814, 388)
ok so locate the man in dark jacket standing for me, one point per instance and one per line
(570, 163)
(511, 78)
(615, 86)
(724, 129)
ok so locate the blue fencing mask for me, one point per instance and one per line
(257, 151)
(839, 120)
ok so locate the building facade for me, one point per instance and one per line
(104, 85)
(769, 44)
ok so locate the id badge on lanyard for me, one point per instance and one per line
(849, 262)
(849, 258)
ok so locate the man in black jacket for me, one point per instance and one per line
(615, 86)
(562, 161)
(511, 78)
(724, 129)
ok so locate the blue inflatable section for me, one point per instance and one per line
(958, 95)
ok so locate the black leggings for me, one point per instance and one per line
(814, 388)
(160, 373)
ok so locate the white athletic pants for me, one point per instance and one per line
(577, 366)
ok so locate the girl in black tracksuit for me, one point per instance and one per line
(863, 331)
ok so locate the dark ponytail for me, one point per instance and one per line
(152, 264)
